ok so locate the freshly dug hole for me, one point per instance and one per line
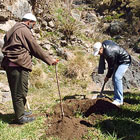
(71, 127)
(85, 106)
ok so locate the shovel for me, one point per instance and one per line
(61, 106)
(101, 93)
(28, 105)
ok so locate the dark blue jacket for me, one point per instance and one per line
(114, 55)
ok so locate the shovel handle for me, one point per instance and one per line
(61, 106)
(102, 88)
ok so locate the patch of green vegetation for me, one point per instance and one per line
(52, 35)
(96, 134)
(29, 131)
(110, 18)
(34, 61)
(2, 31)
(80, 8)
(64, 22)
(78, 114)
(84, 37)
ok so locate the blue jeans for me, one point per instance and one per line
(117, 81)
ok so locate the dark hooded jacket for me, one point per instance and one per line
(114, 55)
(20, 46)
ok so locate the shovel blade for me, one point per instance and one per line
(95, 96)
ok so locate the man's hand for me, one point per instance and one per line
(55, 62)
(106, 79)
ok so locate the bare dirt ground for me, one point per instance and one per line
(79, 117)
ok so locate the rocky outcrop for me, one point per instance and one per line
(16, 8)
(10, 11)
(7, 25)
(116, 27)
(5, 94)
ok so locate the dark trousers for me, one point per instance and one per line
(18, 82)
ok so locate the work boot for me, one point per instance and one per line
(27, 113)
(25, 119)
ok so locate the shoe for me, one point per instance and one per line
(117, 103)
(25, 119)
(27, 113)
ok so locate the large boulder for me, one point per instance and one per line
(115, 28)
(8, 24)
(4, 15)
(18, 7)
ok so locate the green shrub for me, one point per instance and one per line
(116, 16)
(65, 23)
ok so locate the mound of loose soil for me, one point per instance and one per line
(67, 128)
(71, 127)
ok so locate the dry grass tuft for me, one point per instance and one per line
(37, 77)
(79, 67)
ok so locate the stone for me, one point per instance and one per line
(51, 24)
(8, 25)
(4, 88)
(6, 96)
(18, 8)
(63, 43)
(91, 17)
(115, 28)
(47, 46)
(4, 15)
(67, 55)
(76, 14)
(43, 24)
(51, 52)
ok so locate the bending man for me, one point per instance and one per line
(118, 61)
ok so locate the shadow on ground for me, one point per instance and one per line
(105, 92)
(131, 98)
(7, 118)
(124, 129)
(74, 97)
(124, 122)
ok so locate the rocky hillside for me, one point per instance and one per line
(67, 26)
